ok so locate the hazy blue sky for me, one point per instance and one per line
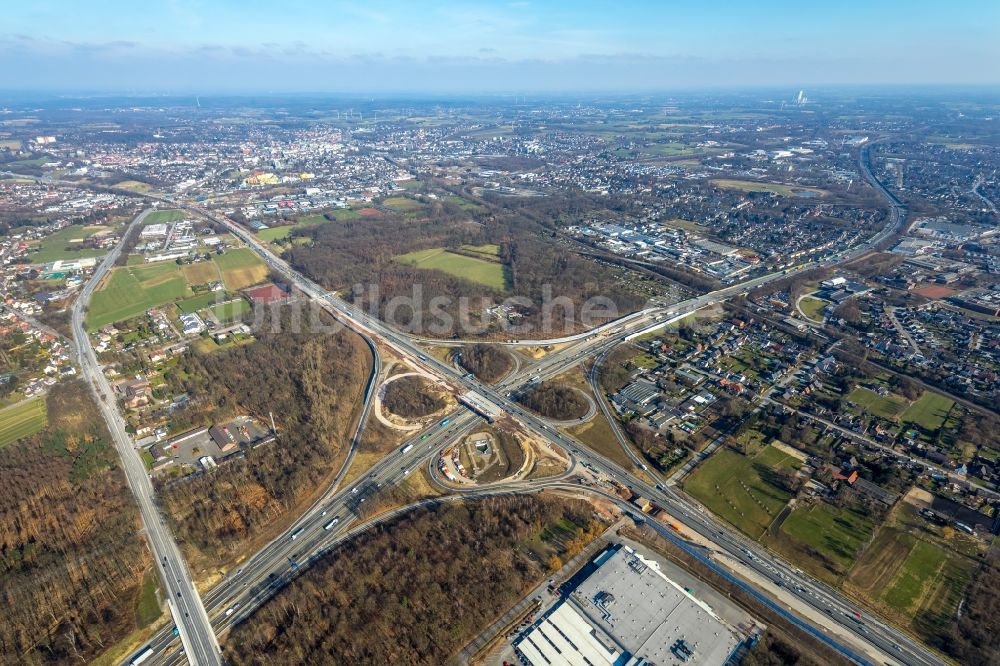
(294, 45)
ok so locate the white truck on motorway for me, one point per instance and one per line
(406, 448)
(329, 525)
(142, 656)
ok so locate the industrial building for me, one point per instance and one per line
(626, 612)
(266, 294)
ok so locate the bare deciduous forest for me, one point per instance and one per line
(412, 397)
(487, 362)
(554, 401)
(973, 640)
(312, 383)
(360, 252)
(72, 558)
(416, 590)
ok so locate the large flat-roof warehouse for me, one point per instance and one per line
(628, 613)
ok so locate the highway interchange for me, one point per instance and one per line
(314, 533)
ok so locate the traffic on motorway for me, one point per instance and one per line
(340, 513)
(190, 618)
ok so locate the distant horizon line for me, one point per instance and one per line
(83, 93)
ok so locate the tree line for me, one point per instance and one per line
(973, 639)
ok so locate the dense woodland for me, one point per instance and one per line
(344, 254)
(311, 382)
(359, 253)
(487, 362)
(554, 401)
(412, 397)
(72, 558)
(416, 590)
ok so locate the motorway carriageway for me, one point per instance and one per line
(185, 605)
(409, 350)
(273, 561)
(391, 470)
(352, 315)
(258, 578)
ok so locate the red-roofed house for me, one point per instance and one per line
(851, 478)
(269, 293)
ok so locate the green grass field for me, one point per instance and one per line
(280, 233)
(200, 301)
(59, 245)
(241, 268)
(341, 214)
(22, 419)
(272, 234)
(733, 486)
(488, 273)
(36, 162)
(888, 407)
(134, 186)
(922, 563)
(671, 149)
(401, 203)
(164, 216)
(775, 188)
(240, 257)
(915, 575)
(928, 583)
(929, 411)
(838, 534)
(646, 361)
(812, 308)
(147, 607)
(462, 203)
(775, 458)
(230, 311)
(131, 290)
